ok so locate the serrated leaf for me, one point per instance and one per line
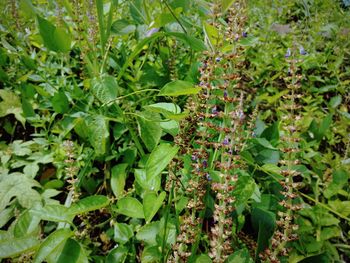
(118, 179)
(151, 204)
(122, 233)
(11, 104)
(178, 88)
(20, 186)
(88, 204)
(159, 159)
(105, 88)
(51, 243)
(17, 246)
(131, 207)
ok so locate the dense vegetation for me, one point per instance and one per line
(174, 131)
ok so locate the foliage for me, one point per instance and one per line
(174, 131)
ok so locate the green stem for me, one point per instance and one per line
(325, 206)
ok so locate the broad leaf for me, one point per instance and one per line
(26, 224)
(178, 88)
(54, 38)
(105, 88)
(55, 213)
(147, 184)
(131, 207)
(60, 102)
(122, 27)
(17, 246)
(88, 204)
(122, 233)
(118, 179)
(151, 204)
(148, 233)
(244, 189)
(149, 130)
(70, 253)
(11, 104)
(20, 186)
(117, 255)
(151, 254)
(98, 133)
(159, 159)
(51, 243)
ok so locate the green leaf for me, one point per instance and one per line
(26, 224)
(55, 213)
(118, 179)
(98, 133)
(264, 143)
(60, 102)
(244, 189)
(340, 179)
(204, 258)
(12, 247)
(264, 222)
(211, 34)
(148, 233)
(122, 233)
(271, 134)
(149, 130)
(342, 207)
(55, 39)
(335, 101)
(226, 4)
(178, 88)
(11, 104)
(105, 88)
(240, 256)
(131, 207)
(151, 204)
(117, 255)
(159, 159)
(51, 243)
(6, 215)
(88, 204)
(70, 253)
(151, 255)
(122, 27)
(20, 186)
(147, 184)
(194, 43)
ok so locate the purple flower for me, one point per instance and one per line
(152, 31)
(214, 110)
(288, 53)
(194, 157)
(225, 141)
(205, 164)
(302, 51)
(208, 177)
(230, 151)
(225, 94)
(244, 34)
(218, 59)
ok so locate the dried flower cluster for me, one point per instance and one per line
(219, 128)
(291, 121)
